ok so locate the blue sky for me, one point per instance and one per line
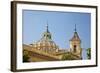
(61, 25)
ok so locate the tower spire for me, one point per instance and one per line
(47, 27)
(47, 34)
(75, 27)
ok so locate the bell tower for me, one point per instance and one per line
(75, 44)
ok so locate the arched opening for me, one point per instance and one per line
(74, 50)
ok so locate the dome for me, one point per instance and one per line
(46, 43)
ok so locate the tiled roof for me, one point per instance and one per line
(75, 37)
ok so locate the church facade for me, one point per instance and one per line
(46, 49)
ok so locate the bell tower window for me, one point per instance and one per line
(74, 50)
